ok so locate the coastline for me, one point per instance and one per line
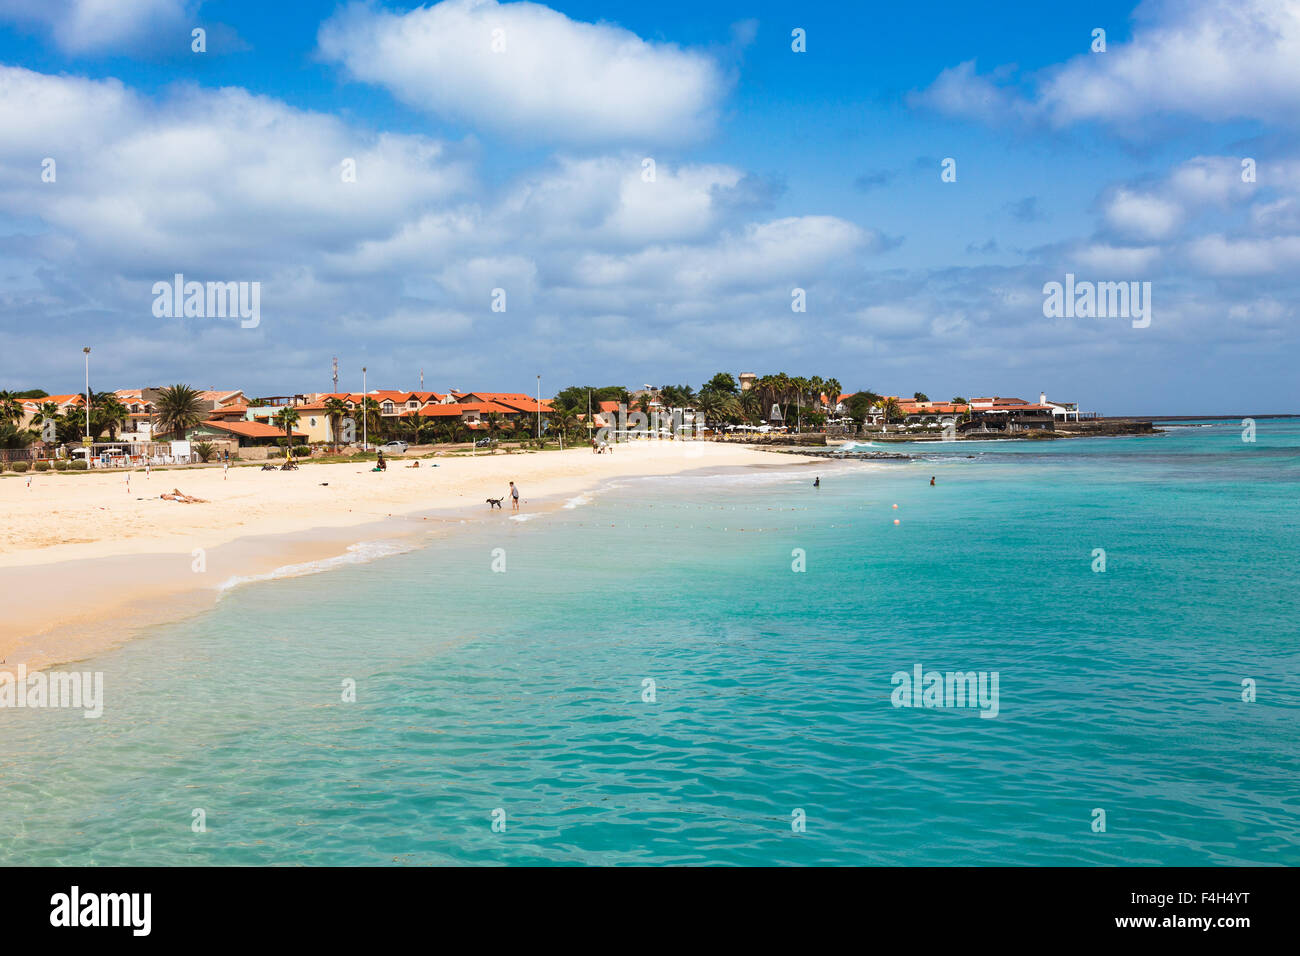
(96, 565)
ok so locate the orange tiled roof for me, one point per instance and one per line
(252, 429)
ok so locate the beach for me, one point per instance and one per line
(96, 556)
(674, 670)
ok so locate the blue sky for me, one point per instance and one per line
(522, 169)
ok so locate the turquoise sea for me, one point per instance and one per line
(524, 691)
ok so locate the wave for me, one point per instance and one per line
(360, 553)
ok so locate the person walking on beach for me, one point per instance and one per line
(514, 497)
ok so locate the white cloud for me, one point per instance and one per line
(1105, 260)
(1214, 60)
(1142, 216)
(556, 79)
(90, 26)
(1223, 256)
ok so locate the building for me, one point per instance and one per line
(244, 433)
(1000, 414)
(1061, 411)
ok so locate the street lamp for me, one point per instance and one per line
(86, 440)
(365, 444)
(539, 407)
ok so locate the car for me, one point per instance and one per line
(395, 447)
(485, 442)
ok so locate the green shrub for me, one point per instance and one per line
(61, 465)
(42, 466)
(301, 451)
(79, 465)
(21, 466)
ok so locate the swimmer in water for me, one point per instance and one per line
(932, 481)
(817, 482)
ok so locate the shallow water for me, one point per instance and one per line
(522, 691)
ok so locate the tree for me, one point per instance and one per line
(178, 409)
(11, 409)
(957, 400)
(336, 409)
(565, 422)
(107, 414)
(920, 397)
(891, 410)
(205, 451)
(418, 426)
(285, 419)
(494, 424)
(367, 411)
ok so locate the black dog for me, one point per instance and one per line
(495, 502)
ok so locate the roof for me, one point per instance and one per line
(485, 408)
(218, 394)
(438, 411)
(251, 429)
(607, 406)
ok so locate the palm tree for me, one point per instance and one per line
(494, 424)
(336, 409)
(286, 418)
(891, 409)
(11, 409)
(178, 409)
(106, 412)
(369, 412)
(418, 426)
(47, 413)
(564, 421)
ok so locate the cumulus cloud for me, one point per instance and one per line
(92, 26)
(1213, 60)
(522, 69)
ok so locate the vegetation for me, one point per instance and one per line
(205, 450)
(178, 409)
(285, 419)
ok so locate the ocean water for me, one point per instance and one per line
(521, 695)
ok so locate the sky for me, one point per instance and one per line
(633, 194)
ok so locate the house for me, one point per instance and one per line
(1007, 415)
(938, 412)
(31, 407)
(1061, 411)
(246, 433)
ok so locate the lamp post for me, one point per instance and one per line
(365, 443)
(86, 441)
(539, 408)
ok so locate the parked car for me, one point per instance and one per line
(485, 442)
(394, 448)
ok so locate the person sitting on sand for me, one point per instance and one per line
(414, 464)
(176, 495)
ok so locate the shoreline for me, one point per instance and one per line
(82, 597)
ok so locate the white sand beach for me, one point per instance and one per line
(93, 557)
